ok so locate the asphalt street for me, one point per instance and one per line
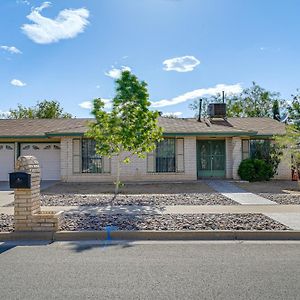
(150, 270)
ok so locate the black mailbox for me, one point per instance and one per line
(19, 180)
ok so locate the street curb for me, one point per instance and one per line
(152, 235)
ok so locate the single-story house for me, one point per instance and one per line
(190, 150)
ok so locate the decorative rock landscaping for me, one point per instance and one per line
(285, 199)
(146, 199)
(77, 222)
(6, 223)
(84, 222)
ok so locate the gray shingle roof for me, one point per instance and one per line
(60, 127)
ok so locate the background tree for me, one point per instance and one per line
(257, 101)
(42, 110)
(294, 109)
(130, 128)
(254, 101)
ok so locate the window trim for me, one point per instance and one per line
(245, 154)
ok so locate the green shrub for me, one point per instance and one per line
(268, 152)
(255, 170)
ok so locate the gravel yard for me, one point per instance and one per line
(86, 221)
(279, 191)
(285, 199)
(74, 222)
(6, 223)
(146, 199)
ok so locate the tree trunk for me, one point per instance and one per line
(117, 184)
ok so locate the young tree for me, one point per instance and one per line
(42, 110)
(130, 128)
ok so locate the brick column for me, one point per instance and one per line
(27, 213)
(27, 201)
(236, 156)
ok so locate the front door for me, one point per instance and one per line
(211, 158)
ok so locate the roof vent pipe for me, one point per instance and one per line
(200, 110)
(223, 96)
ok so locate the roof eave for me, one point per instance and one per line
(65, 134)
(247, 133)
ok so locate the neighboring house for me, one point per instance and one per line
(190, 149)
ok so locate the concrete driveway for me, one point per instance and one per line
(7, 194)
(4, 185)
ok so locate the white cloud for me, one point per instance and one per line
(68, 24)
(228, 89)
(45, 4)
(86, 104)
(115, 73)
(170, 114)
(89, 104)
(11, 49)
(181, 64)
(17, 82)
(4, 114)
(23, 2)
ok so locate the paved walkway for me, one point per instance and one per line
(6, 197)
(237, 194)
(290, 219)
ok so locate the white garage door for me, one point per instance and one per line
(48, 156)
(7, 160)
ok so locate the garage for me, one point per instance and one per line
(7, 160)
(48, 155)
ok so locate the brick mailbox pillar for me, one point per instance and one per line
(27, 213)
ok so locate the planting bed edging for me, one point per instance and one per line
(153, 235)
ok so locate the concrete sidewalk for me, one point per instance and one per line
(175, 209)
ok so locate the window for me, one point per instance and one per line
(165, 156)
(245, 149)
(91, 162)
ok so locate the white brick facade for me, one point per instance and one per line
(137, 169)
(284, 168)
(134, 171)
(236, 156)
(229, 159)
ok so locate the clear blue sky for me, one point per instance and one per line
(69, 49)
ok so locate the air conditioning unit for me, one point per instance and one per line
(217, 110)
